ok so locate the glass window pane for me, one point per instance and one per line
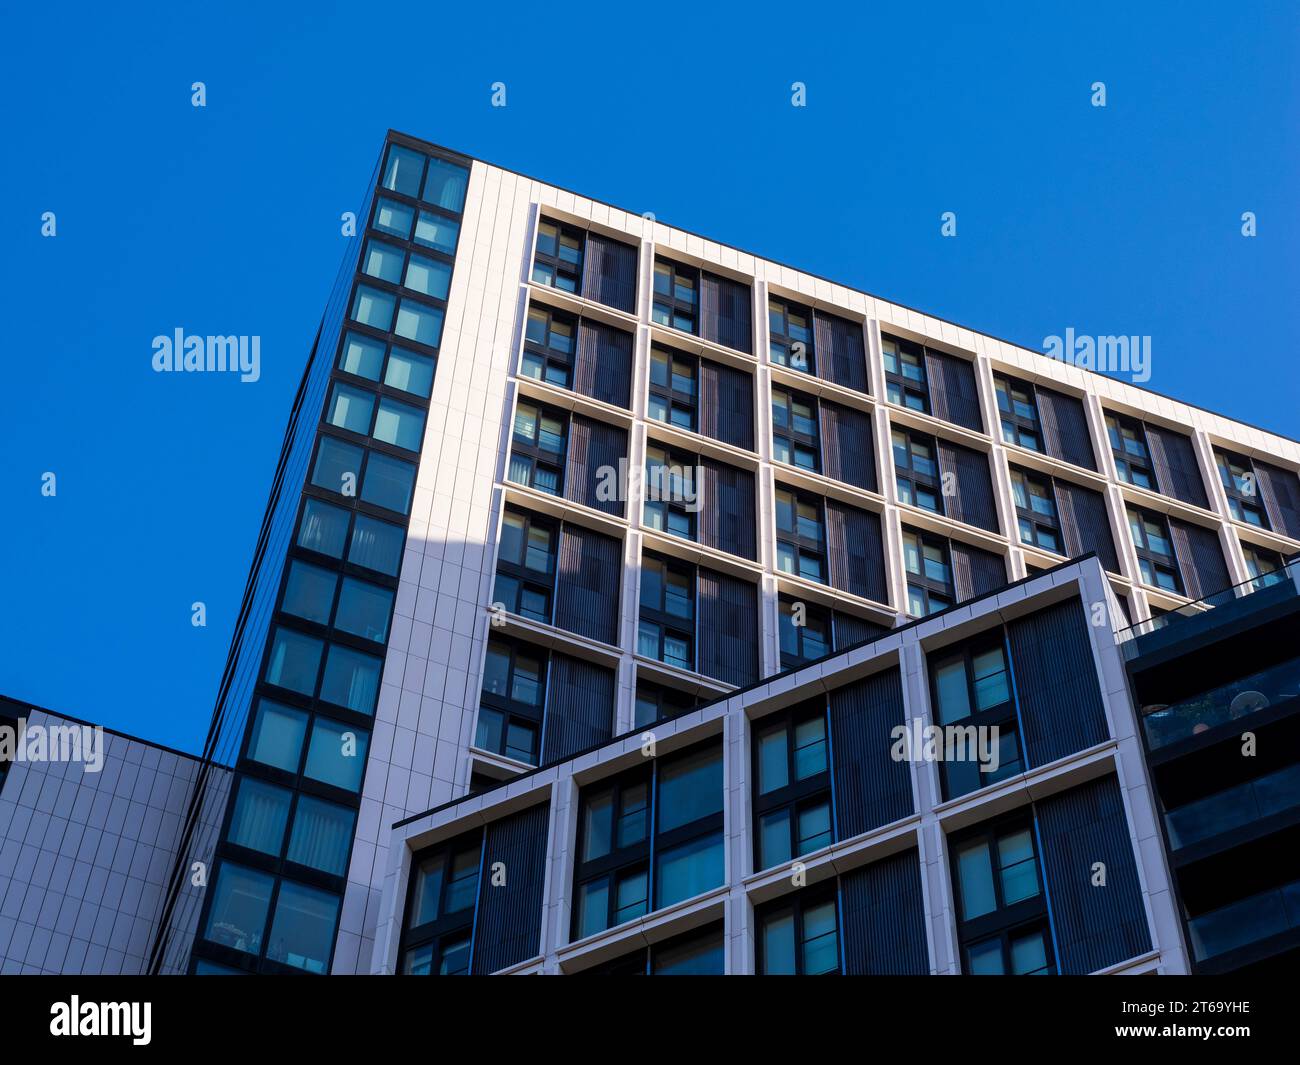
(240, 901)
(1028, 953)
(632, 815)
(985, 959)
(373, 307)
(631, 897)
(419, 322)
(462, 881)
(277, 735)
(322, 835)
(399, 424)
(403, 171)
(434, 231)
(427, 897)
(809, 748)
(950, 690)
(351, 679)
(410, 372)
(323, 528)
(362, 356)
(593, 907)
(309, 592)
(814, 828)
(338, 466)
(260, 814)
(294, 661)
(337, 754)
(389, 483)
(455, 957)
(429, 277)
(364, 609)
(302, 933)
(975, 873)
(598, 826)
(821, 952)
(350, 408)
(688, 870)
(393, 217)
(773, 764)
(383, 261)
(698, 956)
(690, 788)
(1019, 870)
(376, 545)
(444, 184)
(774, 839)
(778, 944)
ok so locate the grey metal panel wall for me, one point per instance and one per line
(728, 627)
(1199, 558)
(871, 789)
(725, 314)
(609, 273)
(1280, 490)
(1065, 428)
(508, 928)
(587, 581)
(848, 449)
(593, 445)
(1056, 682)
(884, 918)
(1084, 523)
(953, 396)
(856, 552)
(579, 707)
(850, 630)
(973, 500)
(1096, 926)
(1177, 473)
(838, 352)
(975, 572)
(726, 515)
(726, 404)
(603, 366)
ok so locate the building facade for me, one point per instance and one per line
(560, 477)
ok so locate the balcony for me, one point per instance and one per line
(1231, 810)
(1246, 922)
(1236, 701)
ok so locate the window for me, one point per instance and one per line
(399, 424)
(241, 899)
(905, 381)
(654, 703)
(805, 631)
(373, 307)
(673, 388)
(403, 171)
(294, 661)
(444, 185)
(1263, 565)
(800, 535)
(389, 483)
(323, 528)
(351, 679)
(350, 408)
(364, 609)
(1155, 552)
(336, 754)
(676, 296)
(525, 565)
(1128, 443)
(278, 732)
(558, 262)
(1000, 901)
(794, 430)
(440, 910)
(792, 792)
(383, 261)
(510, 707)
(393, 217)
(549, 346)
(537, 448)
(799, 936)
(671, 492)
(1018, 413)
(1036, 511)
(971, 686)
(437, 231)
(302, 933)
(429, 277)
(667, 621)
(628, 866)
(791, 335)
(419, 322)
(376, 545)
(916, 471)
(409, 372)
(362, 356)
(260, 815)
(322, 835)
(1238, 477)
(309, 592)
(928, 565)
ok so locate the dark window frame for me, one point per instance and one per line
(799, 544)
(1131, 451)
(674, 399)
(781, 340)
(796, 905)
(796, 796)
(668, 702)
(1158, 561)
(657, 615)
(534, 453)
(554, 261)
(1241, 503)
(446, 926)
(667, 308)
(1041, 526)
(1014, 423)
(936, 595)
(899, 387)
(555, 364)
(790, 435)
(526, 578)
(798, 657)
(516, 712)
(918, 483)
(674, 510)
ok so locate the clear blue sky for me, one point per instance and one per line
(1122, 220)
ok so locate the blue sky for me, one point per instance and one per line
(1115, 220)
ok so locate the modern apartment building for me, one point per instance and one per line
(602, 564)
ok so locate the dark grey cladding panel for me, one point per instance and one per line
(953, 395)
(603, 367)
(1084, 523)
(727, 516)
(594, 448)
(856, 551)
(883, 914)
(848, 445)
(728, 627)
(590, 565)
(972, 500)
(1174, 459)
(1280, 490)
(609, 273)
(579, 707)
(975, 572)
(1065, 428)
(871, 788)
(509, 925)
(1200, 559)
(726, 404)
(726, 317)
(1056, 685)
(1085, 837)
(839, 355)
